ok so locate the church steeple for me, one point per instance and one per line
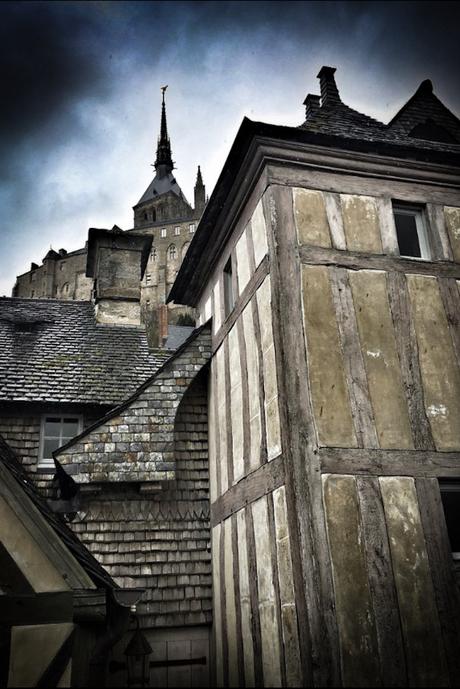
(163, 163)
(200, 193)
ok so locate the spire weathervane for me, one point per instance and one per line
(163, 162)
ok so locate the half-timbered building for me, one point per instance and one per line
(327, 259)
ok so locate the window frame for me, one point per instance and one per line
(229, 295)
(421, 225)
(46, 463)
(191, 228)
(163, 233)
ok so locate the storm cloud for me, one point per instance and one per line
(81, 94)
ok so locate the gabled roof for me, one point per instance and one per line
(22, 484)
(54, 351)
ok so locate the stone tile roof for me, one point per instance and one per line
(54, 351)
(89, 563)
(337, 119)
(177, 334)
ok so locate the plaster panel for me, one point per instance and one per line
(452, 217)
(212, 440)
(27, 554)
(439, 368)
(40, 642)
(361, 223)
(252, 372)
(419, 618)
(222, 418)
(242, 262)
(329, 393)
(311, 218)
(236, 397)
(217, 315)
(358, 641)
(267, 608)
(269, 368)
(375, 326)
(259, 234)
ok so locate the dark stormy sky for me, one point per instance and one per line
(80, 94)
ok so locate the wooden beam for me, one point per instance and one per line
(37, 608)
(377, 462)
(354, 260)
(252, 487)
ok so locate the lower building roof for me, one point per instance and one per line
(55, 351)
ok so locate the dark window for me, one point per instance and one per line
(450, 496)
(411, 232)
(229, 301)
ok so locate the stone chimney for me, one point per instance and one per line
(329, 90)
(117, 260)
(312, 105)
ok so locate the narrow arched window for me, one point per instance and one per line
(154, 254)
(172, 252)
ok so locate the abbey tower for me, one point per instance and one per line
(162, 212)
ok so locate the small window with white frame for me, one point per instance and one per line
(177, 231)
(411, 231)
(163, 232)
(191, 228)
(56, 431)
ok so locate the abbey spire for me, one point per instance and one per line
(163, 163)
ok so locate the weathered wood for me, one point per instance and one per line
(334, 215)
(230, 606)
(440, 558)
(451, 301)
(355, 372)
(437, 234)
(252, 487)
(254, 595)
(245, 601)
(414, 182)
(424, 649)
(438, 361)
(381, 583)
(377, 462)
(365, 261)
(256, 280)
(407, 347)
(36, 608)
(236, 579)
(318, 636)
(326, 374)
(276, 583)
(217, 632)
(223, 606)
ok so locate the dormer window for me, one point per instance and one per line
(411, 231)
(56, 431)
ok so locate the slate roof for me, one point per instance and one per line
(337, 119)
(162, 185)
(54, 351)
(177, 335)
(89, 563)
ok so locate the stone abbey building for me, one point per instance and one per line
(280, 495)
(162, 212)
